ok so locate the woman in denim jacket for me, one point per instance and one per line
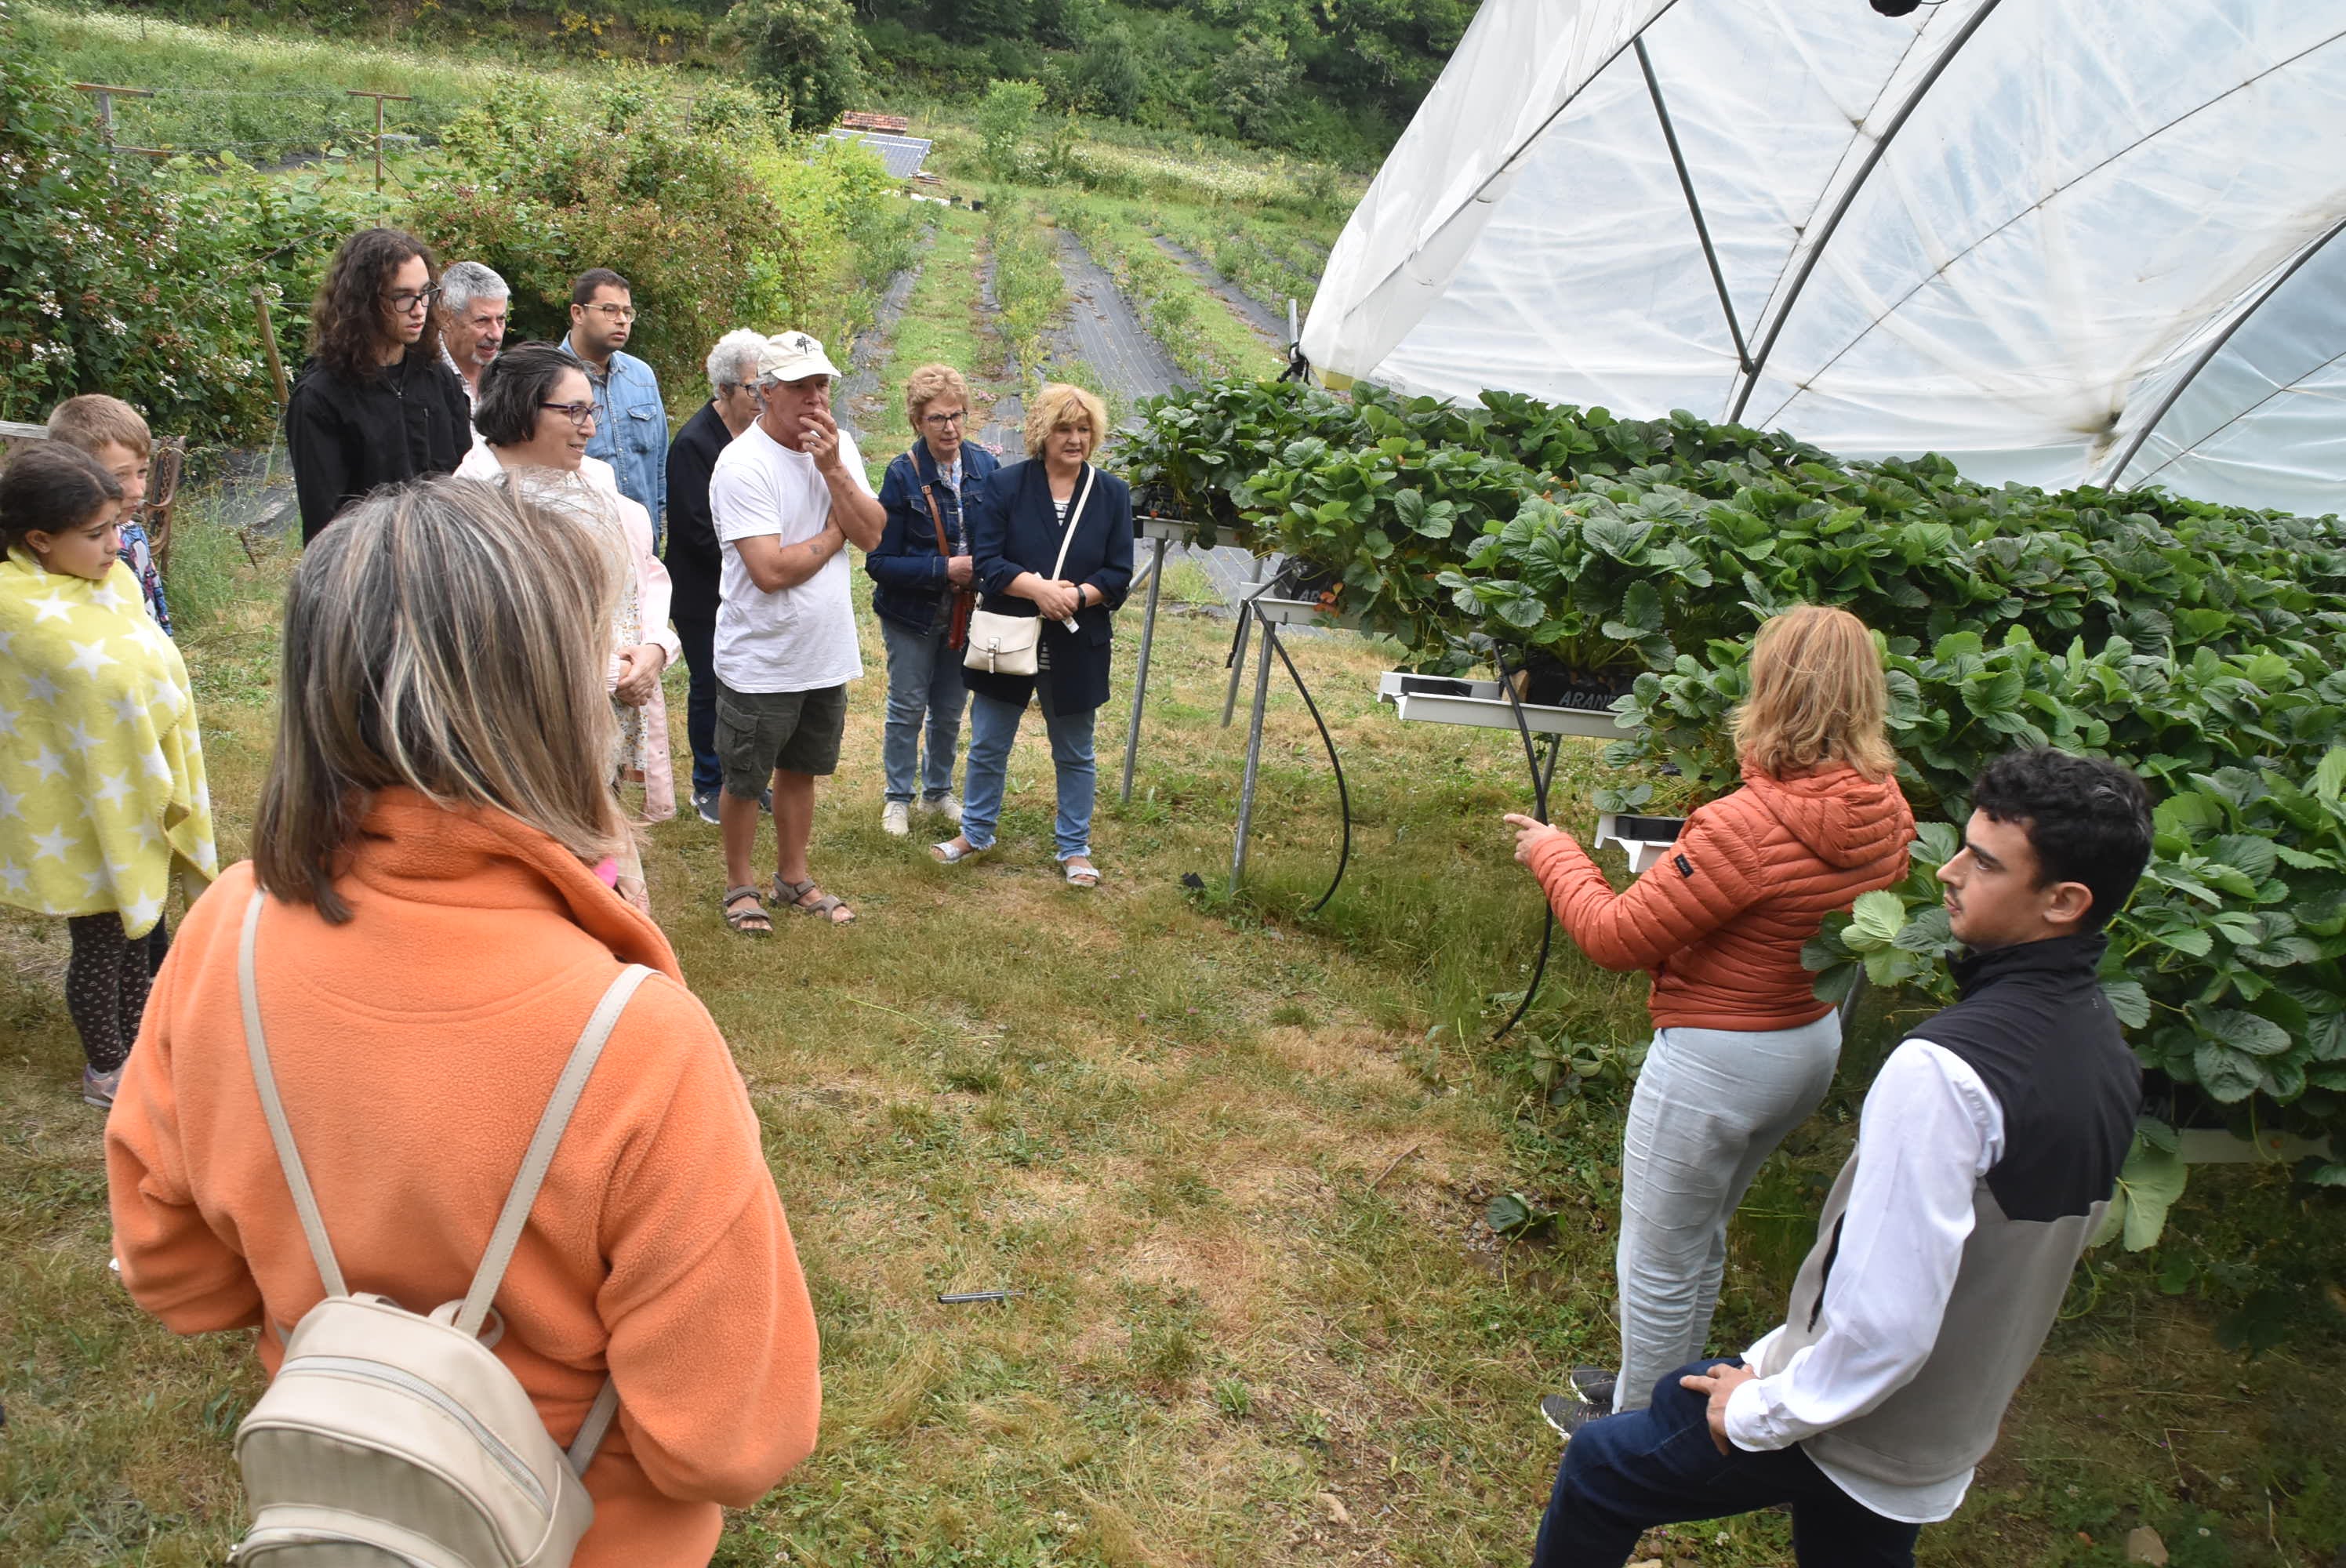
(922, 592)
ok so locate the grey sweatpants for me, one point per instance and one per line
(1708, 1106)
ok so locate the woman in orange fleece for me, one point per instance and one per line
(439, 925)
(1743, 1049)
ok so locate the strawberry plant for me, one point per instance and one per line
(2204, 646)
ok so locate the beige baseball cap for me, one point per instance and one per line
(794, 356)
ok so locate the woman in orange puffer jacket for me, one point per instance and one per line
(1743, 1049)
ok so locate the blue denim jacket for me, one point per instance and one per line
(631, 431)
(908, 575)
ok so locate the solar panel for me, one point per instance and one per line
(901, 155)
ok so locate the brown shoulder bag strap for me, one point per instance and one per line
(957, 633)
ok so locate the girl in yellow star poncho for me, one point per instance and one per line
(102, 798)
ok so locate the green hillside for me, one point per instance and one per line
(1326, 81)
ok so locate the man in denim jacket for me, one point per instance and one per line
(630, 422)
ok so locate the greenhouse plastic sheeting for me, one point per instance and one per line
(2058, 241)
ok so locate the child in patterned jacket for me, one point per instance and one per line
(102, 797)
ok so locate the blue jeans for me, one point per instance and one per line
(993, 726)
(924, 682)
(1627, 1473)
(699, 638)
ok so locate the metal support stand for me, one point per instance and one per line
(1238, 658)
(1254, 736)
(1268, 615)
(1140, 667)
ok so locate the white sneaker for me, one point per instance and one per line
(895, 819)
(945, 806)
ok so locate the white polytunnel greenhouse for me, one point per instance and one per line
(2060, 241)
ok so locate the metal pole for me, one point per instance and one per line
(1238, 659)
(1254, 745)
(1685, 184)
(1140, 671)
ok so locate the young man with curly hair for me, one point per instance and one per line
(375, 404)
(1986, 1153)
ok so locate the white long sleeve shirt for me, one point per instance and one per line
(1930, 1130)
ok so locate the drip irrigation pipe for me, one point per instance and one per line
(1539, 812)
(1343, 795)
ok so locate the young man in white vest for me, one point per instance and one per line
(1986, 1154)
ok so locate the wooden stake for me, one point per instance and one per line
(106, 93)
(268, 344)
(379, 99)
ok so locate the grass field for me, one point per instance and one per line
(1235, 1156)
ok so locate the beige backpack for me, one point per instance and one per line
(395, 1440)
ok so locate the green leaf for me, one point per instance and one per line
(1512, 1215)
(1875, 921)
(2227, 1075)
(2241, 1030)
(2190, 939)
(1409, 506)
(2149, 1186)
(2129, 1001)
(2330, 779)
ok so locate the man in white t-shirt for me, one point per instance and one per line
(787, 497)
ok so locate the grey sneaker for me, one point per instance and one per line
(706, 806)
(1594, 1384)
(1567, 1413)
(947, 805)
(895, 818)
(97, 1089)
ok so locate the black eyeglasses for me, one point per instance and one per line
(941, 421)
(408, 299)
(581, 414)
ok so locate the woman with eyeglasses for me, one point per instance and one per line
(536, 416)
(375, 404)
(923, 595)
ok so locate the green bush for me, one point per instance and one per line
(1005, 126)
(714, 232)
(806, 50)
(119, 277)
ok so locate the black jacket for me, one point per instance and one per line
(1013, 528)
(695, 565)
(347, 437)
(2033, 1025)
(908, 574)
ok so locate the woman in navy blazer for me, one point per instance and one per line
(1016, 524)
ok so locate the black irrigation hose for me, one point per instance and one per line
(1539, 812)
(1343, 795)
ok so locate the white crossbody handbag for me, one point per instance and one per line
(1008, 645)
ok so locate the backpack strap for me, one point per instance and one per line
(534, 1162)
(540, 1155)
(581, 1452)
(256, 1046)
